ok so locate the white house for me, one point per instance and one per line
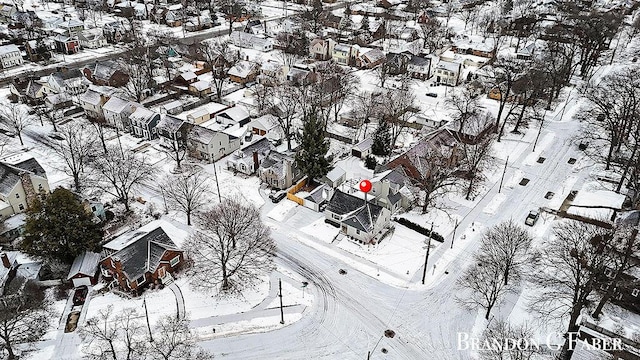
(250, 41)
(92, 39)
(448, 73)
(210, 145)
(10, 56)
(116, 111)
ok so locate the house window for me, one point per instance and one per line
(358, 232)
(609, 273)
(162, 272)
(93, 208)
(21, 207)
(141, 280)
(174, 261)
(40, 188)
(635, 292)
(17, 196)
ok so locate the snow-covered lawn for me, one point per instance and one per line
(321, 230)
(402, 253)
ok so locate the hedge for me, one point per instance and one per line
(415, 227)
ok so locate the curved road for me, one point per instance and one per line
(351, 311)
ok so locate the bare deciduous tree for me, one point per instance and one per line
(285, 105)
(119, 175)
(24, 317)
(76, 148)
(186, 191)
(112, 336)
(173, 340)
(507, 246)
(486, 283)
(514, 337)
(17, 117)
(219, 57)
(433, 173)
(234, 248)
(566, 272)
(624, 248)
(477, 156)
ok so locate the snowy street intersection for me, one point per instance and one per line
(351, 312)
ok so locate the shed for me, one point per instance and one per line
(362, 149)
(84, 270)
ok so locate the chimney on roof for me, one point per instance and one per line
(256, 163)
(5, 260)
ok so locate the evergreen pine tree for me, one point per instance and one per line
(59, 227)
(314, 145)
(364, 24)
(382, 139)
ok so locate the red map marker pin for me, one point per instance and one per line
(365, 186)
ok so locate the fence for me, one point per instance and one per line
(294, 189)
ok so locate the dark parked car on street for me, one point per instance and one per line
(532, 218)
(277, 197)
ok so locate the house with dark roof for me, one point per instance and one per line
(20, 183)
(364, 222)
(419, 67)
(247, 160)
(143, 123)
(279, 170)
(146, 256)
(105, 73)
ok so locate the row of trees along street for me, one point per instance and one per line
(579, 267)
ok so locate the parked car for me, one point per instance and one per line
(532, 218)
(278, 196)
(80, 295)
(72, 321)
(432, 94)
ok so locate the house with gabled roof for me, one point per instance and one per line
(210, 145)
(370, 59)
(143, 123)
(246, 40)
(20, 181)
(92, 39)
(419, 67)
(116, 111)
(10, 56)
(106, 73)
(390, 189)
(364, 222)
(448, 72)
(279, 170)
(233, 115)
(93, 99)
(266, 125)
(243, 72)
(71, 82)
(142, 257)
(247, 160)
(84, 270)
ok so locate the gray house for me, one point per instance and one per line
(363, 222)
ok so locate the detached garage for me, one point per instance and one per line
(84, 270)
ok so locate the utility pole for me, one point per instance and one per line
(539, 131)
(144, 303)
(280, 295)
(426, 258)
(453, 238)
(215, 174)
(503, 172)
